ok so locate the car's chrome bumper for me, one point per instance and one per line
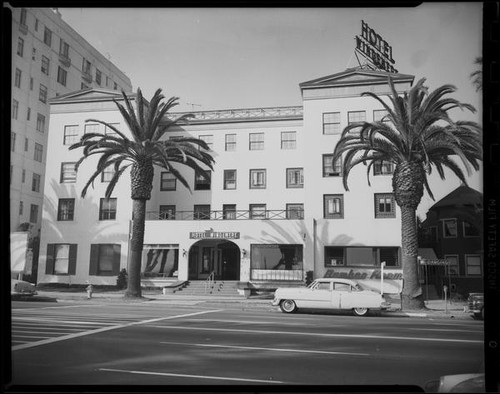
(275, 302)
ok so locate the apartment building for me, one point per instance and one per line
(49, 59)
(273, 209)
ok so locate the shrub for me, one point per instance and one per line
(121, 280)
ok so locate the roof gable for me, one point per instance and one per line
(90, 94)
(462, 195)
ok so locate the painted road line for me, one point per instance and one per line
(85, 333)
(250, 322)
(443, 330)
(61, 321)
(269, 349)
(378, 337)
(178, 375)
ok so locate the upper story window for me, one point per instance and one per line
(258, 211)
(12, 141)
(26, 144)
(330, 169)
(202, 212)
(91, 128)
(115, 86)
(333, 206)
(35, 185)
(47, 36)
(70, 134)
(64, 48)
(288, 140)
(20, 46)
(40, 123)
(38, 155)
(473, 265)
(379, 115)
(66, 209)
(383, 167)
(108, 173)
(17, 79)
(33, 54)
(295, 211)
(33, 213)
(230, 142)
(469, 230)
(23, 19)
(450, 228)
(45, 65)
(256, 141)
(294, 177)
(202, 182)
(86, 66)
(167, 212)
(385, 206)
(167, 181)
(68, 172)
(98, 76)
(229, 179)
(109, 131)
(208, 139)
(36, 24)
(331, 123)
(42, 96)
(61, 75)
(15, 108)
(356, 116)
(107, 209)
(258, 179)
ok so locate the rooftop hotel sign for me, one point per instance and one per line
(375, 49)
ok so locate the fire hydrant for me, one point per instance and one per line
(89, 291)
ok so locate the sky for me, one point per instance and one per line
(217, 58)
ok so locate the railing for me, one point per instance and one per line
(209, 283)
(259, 274)
(281, 214)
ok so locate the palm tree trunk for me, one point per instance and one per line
(136, 246)
(412, 292)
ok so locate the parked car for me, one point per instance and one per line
(475, 305)
(20, 287)
(330, 293)
(462, 383)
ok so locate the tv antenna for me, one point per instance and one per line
(193, 105)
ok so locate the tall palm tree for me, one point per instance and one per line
(419, 136)
(147, 124)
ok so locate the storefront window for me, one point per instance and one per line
(161, 260)
(276, 262)
(361, 256)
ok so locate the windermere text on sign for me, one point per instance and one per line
(214, 234)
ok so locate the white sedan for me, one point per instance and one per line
(329, 293)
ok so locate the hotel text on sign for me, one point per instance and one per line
(374, 48)
(214, 235)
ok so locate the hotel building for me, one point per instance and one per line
(49, 58)
(273, 210)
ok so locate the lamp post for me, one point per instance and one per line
(382, 265)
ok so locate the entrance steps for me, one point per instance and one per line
(219, 288)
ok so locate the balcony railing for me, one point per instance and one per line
(259, 274)
(281, 214)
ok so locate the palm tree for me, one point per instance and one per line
(477, 76)
(147, 125)
(419, 136)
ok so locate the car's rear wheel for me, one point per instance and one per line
(288, 306)
(360, 311)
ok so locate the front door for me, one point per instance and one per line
(218, 256)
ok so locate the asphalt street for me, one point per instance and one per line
(157, 343)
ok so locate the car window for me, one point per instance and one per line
(341, 286)
(323, 286)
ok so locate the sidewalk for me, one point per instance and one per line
(434, 308)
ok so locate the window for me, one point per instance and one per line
(109, 131)
(389, 255)
(230, 142)
(333, 206)
(356, 116)
(61, 75)
(257, 179)
(47, 36)
(31, 83)
(379, 115)
(40, 123)
(329, 169)
(108, 173)
(229, 179)
(28, 113)
(450, 228)
(70, 134)
(45, 65)
(276, 262)
(167, 181)
(20, 46)
(107, 209)
(43, 93)
(258, 211)
(167, 212)
(331, 123)
(384, 205)
(452, 267)
(23, 176)
(334, 256)
(208, 139)
(295, 211)
(35, 184)
(33, 213)
(17, 78)
(61, 259)
(107, 80)
(201, 212)
(26, 144)
(383, 167)
(36, 24)
(85, 66)
(473, 265)
(12, 141)
(294, 177)
(104, 259)
(288, 140)
(15, 108)
(33, 54)
(470, 230)
(68, 173)
(229, 211)
(38, 155)
(66, 209)
(91, 128)
(256, 141)
(23, 17)
(115, 86)
(98, 76)
(202, 181)
(21, 207)
(64, 48)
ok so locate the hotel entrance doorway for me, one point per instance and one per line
(220, 256)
